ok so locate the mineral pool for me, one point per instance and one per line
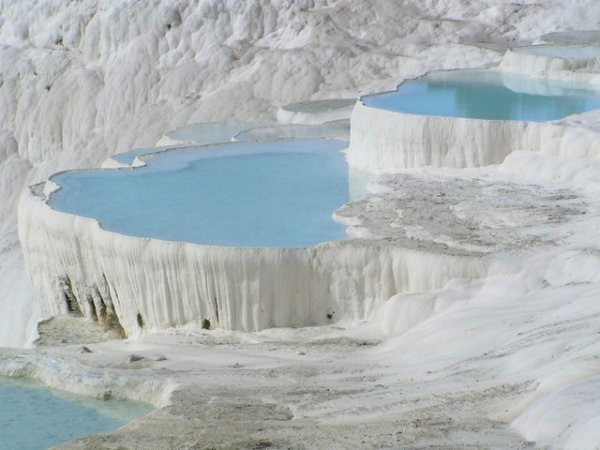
(198, 133)
(267, 194)
(490, 95)
(33, 417)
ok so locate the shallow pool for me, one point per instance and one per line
(34, 418)
(269, 194)
(488, 95)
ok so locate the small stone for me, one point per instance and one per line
(159, 358)
(301, 353)
(134, 358)
(85, 349)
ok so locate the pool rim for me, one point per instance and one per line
(491, 68)
(50, 188)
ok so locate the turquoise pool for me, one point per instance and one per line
(34, 418)
(267, 194)
(490, 95)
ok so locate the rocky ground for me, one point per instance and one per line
(305, 388)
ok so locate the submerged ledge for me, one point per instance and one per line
(64, 371)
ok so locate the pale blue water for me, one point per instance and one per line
(34, 418)
(488, 95)
(129, 157)
(206, 133)
(274, 194)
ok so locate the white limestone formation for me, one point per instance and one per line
(315, 112)
(382, 140)
(475, 340)
(388, 141)
(147, 284)
(80, 81)
(570, 64)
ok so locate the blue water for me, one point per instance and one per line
(34, 418)
(273, 194)
(488, 95)
(129, 157)
(198, 133)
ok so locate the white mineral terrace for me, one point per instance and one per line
(386, 141)
(462, 312)
(147, 284)
(151, 284)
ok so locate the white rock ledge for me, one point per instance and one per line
(382, 140)
(557, 66)
(149, 284)
(389, 141)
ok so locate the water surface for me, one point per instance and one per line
(267, 194)
(478, 94)
(33, 417)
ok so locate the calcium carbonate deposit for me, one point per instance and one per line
(461, 313)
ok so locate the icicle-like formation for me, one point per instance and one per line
(142, 284)
(384, 140)
(388, 141)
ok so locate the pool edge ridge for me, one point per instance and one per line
(518, 60)
(143, 285)
(389, 141)
(386, 140)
